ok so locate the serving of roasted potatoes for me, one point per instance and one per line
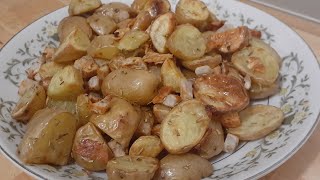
(146, 91)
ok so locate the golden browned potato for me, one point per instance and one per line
(83, 106)
(66, 84)
(149, 146)
(143, 21)
(146, 122)
(154, 7)
(33, 99)
(130, 62)
(171, 75)
(133, 40)
(136, 86)
(132, 167)
(229, 119)
(156, 130)
(90, 150)
(187, 43)
(194, 12)
(116, 10)
(184, 166)
(257, 121)
(73, 47)
(120, 122)
(77, 7)
(102, 25)
(70, 23)
(160, 112)
(69, 106)
(223, 93)
(161, 29)
(184, 126)
(212, 142)
(104, 47)
(188, 73)
(259, 61)
(48, 139)
(49, 69)
(211, 61)
(258, 91)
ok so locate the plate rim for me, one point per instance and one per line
(255, 176)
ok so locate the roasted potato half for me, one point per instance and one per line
(194, 12)
(83, 110)
(133, 40)
(211, 61)
(154, 7)
(102, 25)
(149, 146)
(48, 139)
(136, 86)
(66, 84)
(259, 61)
(70, 23)
(161, 29)
(184, 166)
(132, 167)
(257, 121)
(171, 75)
(187, 43)
(77, 7)
(33, 99)
(104, 47)
(116, 10)
(258, 91)
(73, 47)
(223, 93)
(120, 122)
(90, 150)
(49, 69)
(184, 126)
(229, 119)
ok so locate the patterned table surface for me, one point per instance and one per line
(304, 165)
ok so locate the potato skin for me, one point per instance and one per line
(149, 146)
(77, 7)
(104, 47)
(136, 86)
(258, 91)
(184, 166)
(48, 125)
(154, 7)
(116, 10)
(49, 69)
(68, 24)
(102, 25)
(132, 167)
(133, 40)
(83, 109)
(146, 123)
(89, 149)
(120, 122)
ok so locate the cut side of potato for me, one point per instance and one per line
(104, 47)
(77, 7)
(83, 106)
(132, 167)
(48, 139)
(258, 121)
(69, 106)
(33, 99)
(70, 23)
(133, 40)
(211, 61)
(102, 25)
(171, 75)
(154, 7)
(223, 93)
(259, 61)
(116, 10)
(73, 47)
(49, 69)
(187, 43)
(184, 126)
(258, 91)
(90, 150)
(66, 84)
(149, 146)
(161, 29)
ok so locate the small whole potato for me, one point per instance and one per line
(136, 86)
(68, 24)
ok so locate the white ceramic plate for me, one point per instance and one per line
(298, 98)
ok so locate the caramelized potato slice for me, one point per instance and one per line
(132, 167)
(171, 75)
(102, 25)
(120, 122)
(73, 47)
(104, 47)
(211, 61)
(187, 43)
(133, 40)
(143, 21)
(90, 150)
(116, 10)
(70, 23)
(161, 29)
(223, 93)
(149, 146)
(257, 121)
(49, 69)
(258, 91)
(66, 84)
(184, 127)
(48, 139)
(77, 7)
(194, 12)
(33, 99)
(259, 61)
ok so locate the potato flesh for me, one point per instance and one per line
(48, 139)
(83, 106)
(258, 91)
(133, 40)
(104, 47)
(154, 7)
(49, 69)
(132, 167)
(77, 7)
(149, 146)
(69, 106)
(257, 121)
(89, 149)
(116, 10)
(102, 25)
(184, 127)
(143, 21)
(68, 24)
(211, 61)
(171, 75)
